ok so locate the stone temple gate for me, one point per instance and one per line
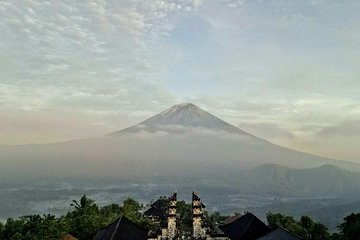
(170, 228)
(198, 231)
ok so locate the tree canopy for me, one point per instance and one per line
(350, 228)
(85, 219)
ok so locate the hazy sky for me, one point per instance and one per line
(287, 71)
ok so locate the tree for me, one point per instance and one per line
(318, 232)
(84, 205)
(17, 236)
(132, 209)
(34, 227)
(337, 236)
(184, 210)
(111, 212)
(1, 230)
(350, 228)
(286, 222)
(216, 218)
(13, 229)
(85, 220)
(305, 228)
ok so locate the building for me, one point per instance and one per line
(157, 210)
(249, 227)
(279, 233)
(122, 229)
(246, 227)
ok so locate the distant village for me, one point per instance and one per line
(163, 214)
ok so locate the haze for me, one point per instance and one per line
(285, 71)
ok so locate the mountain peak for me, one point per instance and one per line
(185, 115)
(184, 110)
(185, 105)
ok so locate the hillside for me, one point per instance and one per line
(326, 181)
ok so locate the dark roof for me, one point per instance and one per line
(279, 234)
(231, 219)
(157, 209)
(122, 229)
(246, 227)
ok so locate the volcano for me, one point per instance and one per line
(181, 142)
(186, 115)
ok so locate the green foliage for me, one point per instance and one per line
(87, 218)
(216, 218)
(287, 222)
(111, 212)
(1, 230)
(184, 210)
(133, 210)
(305, 228)
(13, 229)
(35, 227)
(83, 221)
(350, 229)
(337, 236)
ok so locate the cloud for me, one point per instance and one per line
(347, 129)
(99, 57)
(235, 3)
(298, 123)
(271, 131)
(338, 140)
(24, 127)
(94, 60)
(286, 70)
(184, 133)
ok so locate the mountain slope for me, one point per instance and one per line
(182, 142)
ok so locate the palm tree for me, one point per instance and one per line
(84, 204)
(85, 219)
